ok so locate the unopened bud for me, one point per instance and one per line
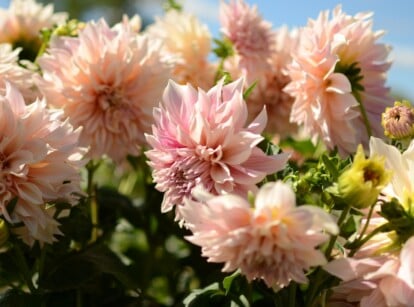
(398, 121)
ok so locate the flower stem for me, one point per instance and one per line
(93, 205)
(292, 295)
(369, 236)
(363, 113)
(22, 264)
(332, 241)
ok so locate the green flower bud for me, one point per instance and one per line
(361, 184)
(4, 232)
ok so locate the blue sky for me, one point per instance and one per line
(395, 17)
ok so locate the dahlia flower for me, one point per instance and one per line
(337, 78)
(106, 81)
(200, 138)
(386, 280)
(274, 241)
(12, 72)
(189, 42)
(269, 87)
(252, 37)
(22, 22)
(40, 162)
(401, 165)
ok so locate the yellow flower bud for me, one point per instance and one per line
(361, 184)
(4, 232)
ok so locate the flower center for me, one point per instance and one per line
(109, 97)
(213, 155)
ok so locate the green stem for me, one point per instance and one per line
(332, 241)
(22, 264)
(363, 113)
(368, 237)
(371, 210)
(292, 295)
(93, 205)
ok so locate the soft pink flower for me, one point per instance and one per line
(200, 138)
(274, 241)
(269, 87)
(106, 81)
(15, 74)
(326, 86)
(386, 280)
(189, 41)
(21, 23)
(251, 36)
(40, 161)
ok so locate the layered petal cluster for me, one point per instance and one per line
(338, 65)
(189, 41)
(275, 241)
(269, 87)
(39, 163)
(15, 74)
(382, 281)
(251, 36)
(21, 23)
(200, 138)
(402, 167)
(106, 81)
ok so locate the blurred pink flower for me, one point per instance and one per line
(337, 63)
(274, 241)
(21, 23)
(106, 81)
(386, 280)
(40, 163)
(185, 38)
(269, 88)
(251, 36)
(200, 138)
(11, 71)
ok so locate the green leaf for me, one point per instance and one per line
(249, 90)
(17, 298)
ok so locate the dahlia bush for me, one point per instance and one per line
(159, 165)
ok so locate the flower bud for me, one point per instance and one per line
(4, 232)
(398, 121)
(361, 184)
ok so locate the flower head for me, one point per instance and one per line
(386, 280)
(251, 36)
(269, 87)
(401, 185)
(189, 42)
(398, 121)
(106, 81)
(361, 184)
(338, 75)
(274, 241)
(39, 164)
(15, 74)
(22, 22)
(200, 138)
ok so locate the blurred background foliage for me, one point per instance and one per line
(110, 10)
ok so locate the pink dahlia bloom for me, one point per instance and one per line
(251, 36)
(21, 23)
(200, 138)
(11, 71)
(106, 81)
(274, 241)
(189, 41)
(269, 87)
(377, 281)
(40, 162)
(337, 63)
